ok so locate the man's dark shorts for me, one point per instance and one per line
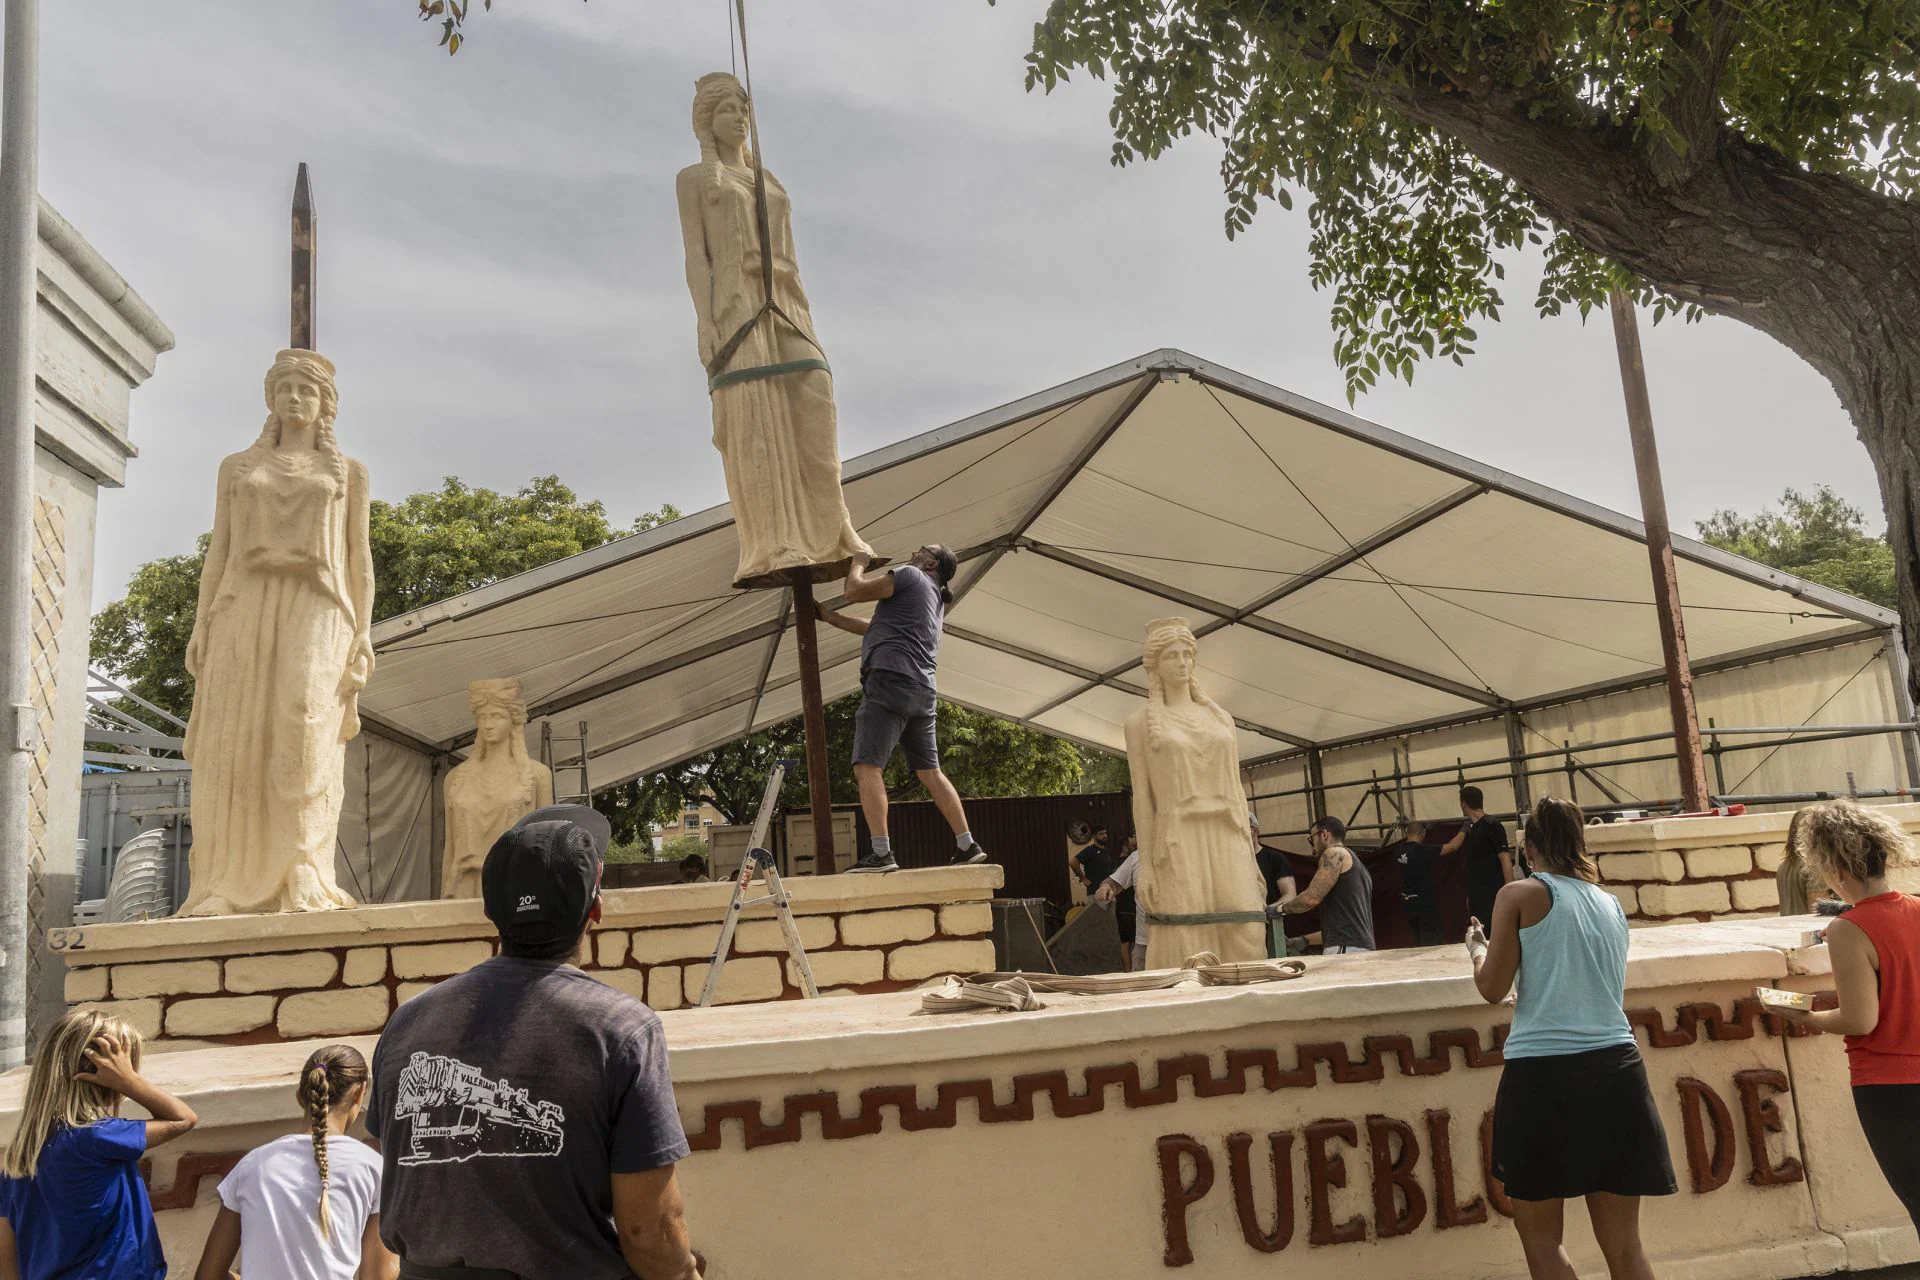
(895, 709)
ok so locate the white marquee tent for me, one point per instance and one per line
(1351, 586)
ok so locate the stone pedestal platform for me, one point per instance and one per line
(255, 979)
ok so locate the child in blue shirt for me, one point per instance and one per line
(72, 1203)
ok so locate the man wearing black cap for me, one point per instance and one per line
(524, 1112)
(898, 649)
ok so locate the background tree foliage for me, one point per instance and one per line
(1822, 538)
(436, 544)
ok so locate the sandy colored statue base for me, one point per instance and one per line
(491, 789)
(773, 413)
(1190, 811)
(279, 653)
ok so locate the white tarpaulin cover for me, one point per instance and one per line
(1349, 583)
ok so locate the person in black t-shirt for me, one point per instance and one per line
(1417, 886)
(558, 1079)
(1274, 867)
(1489, 856)
(1097, 861)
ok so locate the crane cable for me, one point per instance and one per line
(768, 307)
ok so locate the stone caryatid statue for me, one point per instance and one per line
(773, 414)
(1190, 814)
(491, 789)
(279, 653)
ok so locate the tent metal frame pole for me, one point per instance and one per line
(1666, 581)
(1902, 681)
(1517, 762)
(1316, 786)
(814, 710)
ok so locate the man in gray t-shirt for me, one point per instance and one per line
(899, 648)
(526, 1120)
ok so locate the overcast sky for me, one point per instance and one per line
(501, 278)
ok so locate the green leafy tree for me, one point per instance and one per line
(1758, 160)
(1101, 772)
(142, 637)
(674, 848)
(436, 544)
(1822, 538)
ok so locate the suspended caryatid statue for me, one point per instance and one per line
(1199, 882)
(493, 788)
(279, 653)
(773, 414)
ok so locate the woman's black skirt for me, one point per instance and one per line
(1569, 1125)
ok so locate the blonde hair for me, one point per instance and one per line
(316, 368)
(55, 1100)
(1792, 878)
(1162, 635)
(329, 1076)
(1841, 837)
(708, 93)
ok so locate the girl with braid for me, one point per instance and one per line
(307, 1206)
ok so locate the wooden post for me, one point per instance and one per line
(1666, 584)
(303, 262)
(808, 643)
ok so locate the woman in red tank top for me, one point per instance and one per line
(1876, 969)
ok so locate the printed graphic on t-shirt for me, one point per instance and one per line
(456, 1113)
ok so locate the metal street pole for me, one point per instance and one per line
(1666, 583)
(815, 719)
(19, 236)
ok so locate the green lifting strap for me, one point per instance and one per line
(1210, 917)
(764, 371)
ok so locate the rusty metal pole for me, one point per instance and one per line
(303, 263)
(1666, 584)
(808, 643)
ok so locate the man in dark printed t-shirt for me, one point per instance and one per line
(525, 1116)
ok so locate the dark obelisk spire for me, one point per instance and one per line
(303, 256)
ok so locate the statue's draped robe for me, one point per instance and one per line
(778, 436)
(269, 715)
(484, 798)
(1196, 849)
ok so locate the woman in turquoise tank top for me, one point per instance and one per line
(1574, 1116)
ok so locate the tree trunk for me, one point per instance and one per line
(1827, 267)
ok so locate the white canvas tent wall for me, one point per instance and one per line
(1351, 585)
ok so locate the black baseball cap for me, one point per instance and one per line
(541, 876)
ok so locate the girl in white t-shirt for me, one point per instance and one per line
(307, 1206)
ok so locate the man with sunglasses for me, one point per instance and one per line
(899, 646)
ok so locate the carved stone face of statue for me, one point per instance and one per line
(493, 725)
(730, 121)
(1175, 668)
(296, 401)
